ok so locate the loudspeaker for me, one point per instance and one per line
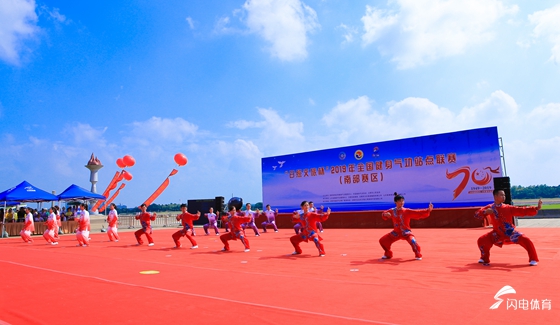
(219, 204)
(503, 183)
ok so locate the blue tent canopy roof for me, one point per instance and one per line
(74, 192)
(25, 192)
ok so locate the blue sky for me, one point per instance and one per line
(229, 82)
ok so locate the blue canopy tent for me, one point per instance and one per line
(24, 192)
(74, 192)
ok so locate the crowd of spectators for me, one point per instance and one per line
(18, 215)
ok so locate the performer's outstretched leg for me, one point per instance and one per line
(191, 239)
(137, 234)
(295, 240)
(319, 246)
(386, 242)
(177, 238)
(484, 243)
(415, 246)
(245, 242)
(225, 238)
(526, 243)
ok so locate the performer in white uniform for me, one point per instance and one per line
(212, 222)
(270, 218)
(28, 227)
(112, 220)
(82, 234)
(51, 224)
(249, 213)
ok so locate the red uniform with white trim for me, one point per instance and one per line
(504, 232)
(401, 229)
(235, 222)
(187, 223)
(308, 225)
(145, 219)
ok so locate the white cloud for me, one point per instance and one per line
(55, 15)
(222, 25)
(156, 130)
(527, 134)
(497, 109)
(357, 121)
(277, 136)
(243, 124)
(190, 22)
(285, 24)
(349, 33)
(547, 25)
(85, 133)
(418, 32)
(353, 119)
(246, 150)
(18, 22)
(533, 162)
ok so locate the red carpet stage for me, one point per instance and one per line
(103, 283)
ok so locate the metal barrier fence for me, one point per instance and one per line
(162, 220)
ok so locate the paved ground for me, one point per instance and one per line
(538, 223)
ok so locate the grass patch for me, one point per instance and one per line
(550, 206)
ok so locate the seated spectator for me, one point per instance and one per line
(10, 215)
(36, 215)
(20, 217)
(43, 215)
(69, 215)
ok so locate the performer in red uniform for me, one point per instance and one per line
(235, 220)
(308, 225)
(503, 232)
(187, 223)
(145, 219)
(401, 226)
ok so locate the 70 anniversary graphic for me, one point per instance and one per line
(450, 170)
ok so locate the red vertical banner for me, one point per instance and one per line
(160, 189)
(112, 198)
(111, 186)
